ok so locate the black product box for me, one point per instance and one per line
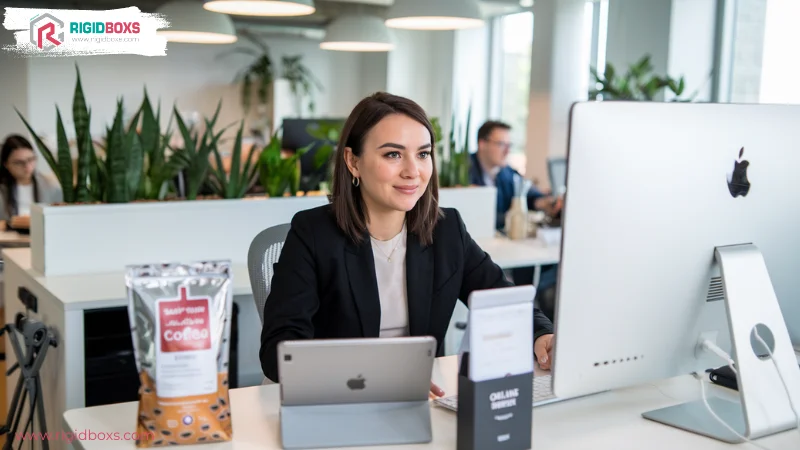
(494, 414)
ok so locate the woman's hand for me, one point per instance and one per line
(543, 350)
(436, 391)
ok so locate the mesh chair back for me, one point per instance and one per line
(264, 252)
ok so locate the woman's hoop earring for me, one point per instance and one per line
(356, 181)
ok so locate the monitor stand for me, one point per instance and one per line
(763, 408)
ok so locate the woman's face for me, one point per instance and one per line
(395, 164)
(21, 164)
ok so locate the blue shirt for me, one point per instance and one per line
(504, 182)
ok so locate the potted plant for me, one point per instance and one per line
(279, 173)
(236, 181)
(258, 74)
(301, 82)
(454, 164)
(638, 84)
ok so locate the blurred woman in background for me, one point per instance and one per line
(20, 184)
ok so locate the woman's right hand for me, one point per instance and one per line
(436, 391)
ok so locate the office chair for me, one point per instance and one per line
(263, 253)
(557, 171)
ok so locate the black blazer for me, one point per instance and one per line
(324, 284)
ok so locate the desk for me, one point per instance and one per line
(12, 238)
(610, 420)
(64, 302)
(510, 254)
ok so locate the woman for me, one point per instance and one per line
(382, 259)
(20, 184)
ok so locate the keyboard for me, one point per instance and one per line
(542, 394)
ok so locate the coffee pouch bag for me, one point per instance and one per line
(180, 318)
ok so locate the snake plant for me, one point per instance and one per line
(241, 179)
(196, 150)
(124, 163)
(159, 170)
(454, 167)
(76, 187)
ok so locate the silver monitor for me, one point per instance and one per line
(682, 224)
(355, 392)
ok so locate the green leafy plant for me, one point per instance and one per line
(196, 151)
(76, 187)
(259, 73)
(327, 133)
(124, 162)
(241, 179)
(301, 82)
(159, 170)
(638, 84)
(454, 164)
(276, 173)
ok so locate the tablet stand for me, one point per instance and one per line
(764, 406)
(357, 424)
(38, 338)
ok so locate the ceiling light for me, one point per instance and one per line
(357, 34)
(262, 7)
(435, 15)
(526, 3)
(190, 23)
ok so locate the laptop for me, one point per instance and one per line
(355, 392)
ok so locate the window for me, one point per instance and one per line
(515, 67)
(762, 61)
(510, 74)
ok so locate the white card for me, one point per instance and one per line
(500, 341)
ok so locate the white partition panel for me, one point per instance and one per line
(79, 239)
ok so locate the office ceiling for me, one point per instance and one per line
(326, 9)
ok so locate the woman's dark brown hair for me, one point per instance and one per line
(348, 205)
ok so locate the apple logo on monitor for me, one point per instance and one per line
(738, 184)
(356, 384)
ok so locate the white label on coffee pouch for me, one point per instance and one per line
(186, 363)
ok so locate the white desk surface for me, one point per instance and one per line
(106, 290)
(13, 238)
(510, 254)
(609, 420)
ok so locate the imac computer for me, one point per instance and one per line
(681, 238)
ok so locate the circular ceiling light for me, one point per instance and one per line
(357, 34)
(190, 23)
(283, 8)
(435, 15)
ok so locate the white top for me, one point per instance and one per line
(24, 199)
(390, 271)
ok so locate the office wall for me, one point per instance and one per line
(636, 28)
(471, 78)
(373, 73)
(13, 88)
(691, 46)
(421, 68)
(558, 73)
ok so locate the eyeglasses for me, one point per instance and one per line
(501, 144)
(21, 163)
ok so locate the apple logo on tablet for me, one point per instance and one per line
(356, 384)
